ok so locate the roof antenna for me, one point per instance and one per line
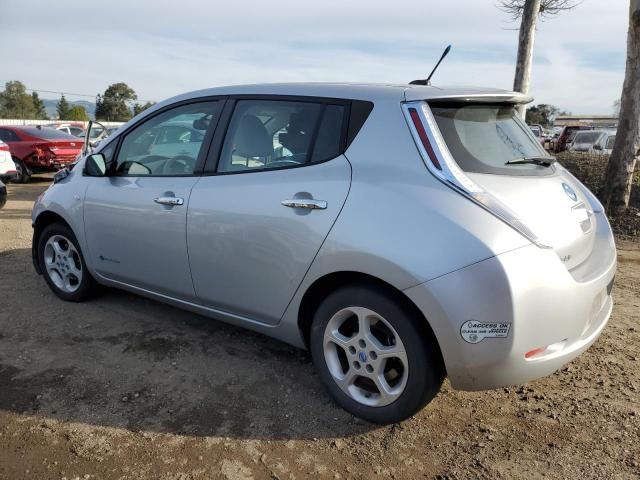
(428, 80)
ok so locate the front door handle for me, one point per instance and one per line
(169, 200)
(305, 203)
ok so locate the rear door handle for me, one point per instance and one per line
(305, 203)
(169, 200)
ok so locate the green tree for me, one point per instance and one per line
(63, 108)
(38, 105)
(542, 114)
(139, 108)
(114, 104)
(77, 112)
(15, 102)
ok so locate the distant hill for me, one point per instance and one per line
(50, 107)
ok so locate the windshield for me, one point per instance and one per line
(483, 138)
(48, 133)
(587, 137)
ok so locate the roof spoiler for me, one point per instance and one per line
(506, 97)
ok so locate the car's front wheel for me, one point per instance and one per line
(63, 265)
(374, 356)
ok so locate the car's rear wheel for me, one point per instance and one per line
(373, 355)
(63, 265)
(23, 173)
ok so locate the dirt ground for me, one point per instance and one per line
(123, 387)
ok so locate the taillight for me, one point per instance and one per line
(417, 123)
(4, 147)
(440, 162)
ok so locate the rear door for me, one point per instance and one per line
(135, 219)
(257, 221)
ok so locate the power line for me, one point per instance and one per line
(61, 93)
(58, 92)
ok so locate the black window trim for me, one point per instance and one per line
(355, 114)
(213, 158)
(204, 149)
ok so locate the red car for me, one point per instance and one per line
(37, 149)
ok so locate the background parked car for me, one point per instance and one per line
(75, 129)
(592, 141)
(567, 135)
(545, 139)
(7, 167)
(39, 149)
(605, 143)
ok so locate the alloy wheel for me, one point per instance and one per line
(63, 264)
(365, 356)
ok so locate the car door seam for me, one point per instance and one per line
(323, 241)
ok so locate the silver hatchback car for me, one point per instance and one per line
(401, 233)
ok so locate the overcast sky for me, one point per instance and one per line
(162, 48)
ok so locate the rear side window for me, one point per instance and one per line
(8, 136)
(483, 138)
(266, 134)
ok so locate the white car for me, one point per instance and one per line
(71, 129)
(7, 167)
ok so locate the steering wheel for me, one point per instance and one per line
(181, 164)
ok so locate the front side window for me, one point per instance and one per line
(266, 134)
(483, 138)
(167, 144)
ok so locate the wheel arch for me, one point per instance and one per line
(43, 220)
(331, 282)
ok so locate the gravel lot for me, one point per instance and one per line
(126, 388)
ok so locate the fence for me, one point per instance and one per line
(22, 122)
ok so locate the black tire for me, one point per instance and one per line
(425, 367)
(24, 173)
(87, 286)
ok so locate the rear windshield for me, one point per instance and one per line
(48, 133)
(587, 137)
(483, 138)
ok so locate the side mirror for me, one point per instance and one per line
(95, 166)
(597, 147)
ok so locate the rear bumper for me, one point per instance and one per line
(50, 162)
(539, 303)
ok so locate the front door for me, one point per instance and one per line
(254, 227)
(135, 218)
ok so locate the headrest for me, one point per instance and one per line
(252, 139)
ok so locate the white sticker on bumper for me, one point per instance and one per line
(474, 331)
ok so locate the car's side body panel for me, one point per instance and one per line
(135, 240)
(248, 251)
